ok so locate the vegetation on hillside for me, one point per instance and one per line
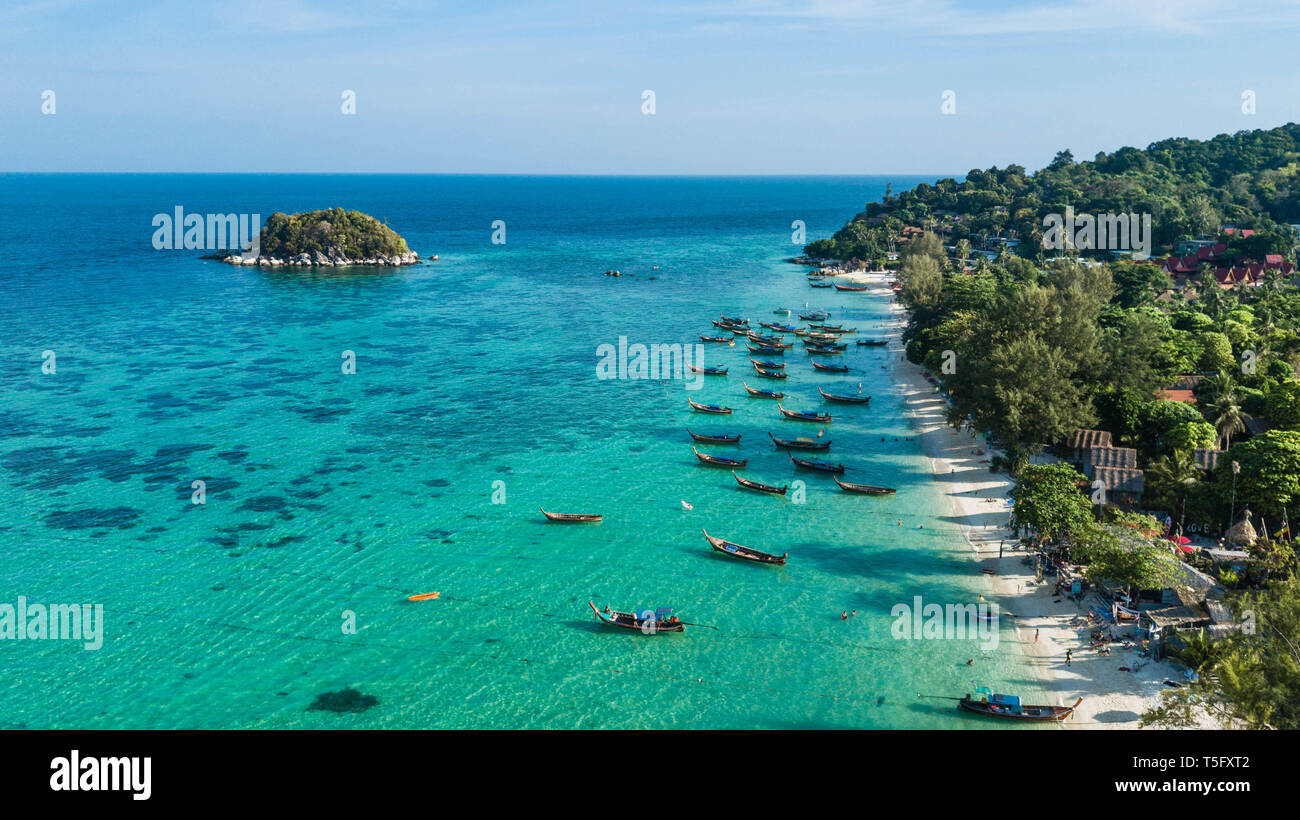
(333, 232)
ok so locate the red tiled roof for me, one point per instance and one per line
(1184, 396)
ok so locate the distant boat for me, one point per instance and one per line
(865, 489)
(805, 415)
(722, 339)
(831, 368)
(758, 485)
(763, 394)
(719, 461)
(737, 551)
(800, 443)
(573, 518)
(777, 326)
(776, 351)
(818, 350)
(627, 620)
(850, 287)
(815, 316)
(769, 374)
(844, 399)
(768, 365)
(427, 596)
(708, 371)
(733, 320)
(783, 311)
(820, 284)
(873, 342)
(709, 408)
(817, 464)
(715, 439)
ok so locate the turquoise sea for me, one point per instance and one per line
(332, 493)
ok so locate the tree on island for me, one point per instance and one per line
(333, 232)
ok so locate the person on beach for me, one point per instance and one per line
(1035, 636)
(1069, 653)
(1000, 545)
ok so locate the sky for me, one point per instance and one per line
(740, 86)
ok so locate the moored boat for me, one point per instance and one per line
(714, 439)
(775, 351)
(708, 371)
(817, 464)
(1009, 706)
(748, 553)
(726, 340)
(873, 342)
(831, 368)
(769, 374)
(800, 443)
(573, 518)
(838, 286)
(646, 623)
(709, 408)
(805, 415)
(768, 365)
(865, 489)
(758, 485)
(815, 316)
(763, 394)
(719, 461)
(844, 399)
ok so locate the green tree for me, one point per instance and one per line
(1282, 405)
(1047, 498)
(1269, 480)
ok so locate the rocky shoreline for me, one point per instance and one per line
(318, 259)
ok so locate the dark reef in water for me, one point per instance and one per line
(346, 700)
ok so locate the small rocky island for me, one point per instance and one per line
(329, 238)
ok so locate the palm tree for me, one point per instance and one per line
(1178, 471)
(1229, 418)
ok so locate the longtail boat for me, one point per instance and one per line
(825, 344)
(733, 320)
(865, 489)
(763, 394)
(782, 311)
(838, 286)
(817, 464)
(708, 371)
(828, 328)
(800, 443)
(646, 623)
(725, 325)
(820, 284)
(776, 351)
(714, 439)
(815, 316)
(573, 518)
(769, 374)
(726, 340)
(831, 368)
(818, 350)
(844, 399)
(737, 551)
(872, 342)
(758, 485)
(1009, 706)
(709, 408)
(777, 326)
(768, 365)
(805, 415)
(719, 461)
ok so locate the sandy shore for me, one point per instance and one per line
(1111, 698)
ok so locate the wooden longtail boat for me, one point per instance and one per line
(725, 325)
(820, 284)
(777, 326)
(825, 344)
(573, 518)
(769, 374)
(782, 311)
(737, 551)
(758, 485)
(760, 339)
(709, 408)
(865, 489)
(831, 368)
(818, 350)
(763, 394)
(714, 439)
(768, 365)
(829, 328)
(726, 340)
(844, 399)
(817, 464)
(733, 320)
(815, 316)
(708, 371)
(1009, 706)
(800, 443)
(849, 287)
(628, 620)
(776, 351)
(873, 342)
(805, 415)
(720, 461)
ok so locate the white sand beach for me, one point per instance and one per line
(1111, 698)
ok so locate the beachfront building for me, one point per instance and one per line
(1080, 442)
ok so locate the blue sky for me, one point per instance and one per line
(741, 86)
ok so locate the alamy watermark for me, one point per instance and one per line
(208, 232)
(921, 621)
(1116, 232)
(654, 362)
(55, 622)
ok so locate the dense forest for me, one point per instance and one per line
(1188, 365)
(333, 232)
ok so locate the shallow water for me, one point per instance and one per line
(330, 493)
